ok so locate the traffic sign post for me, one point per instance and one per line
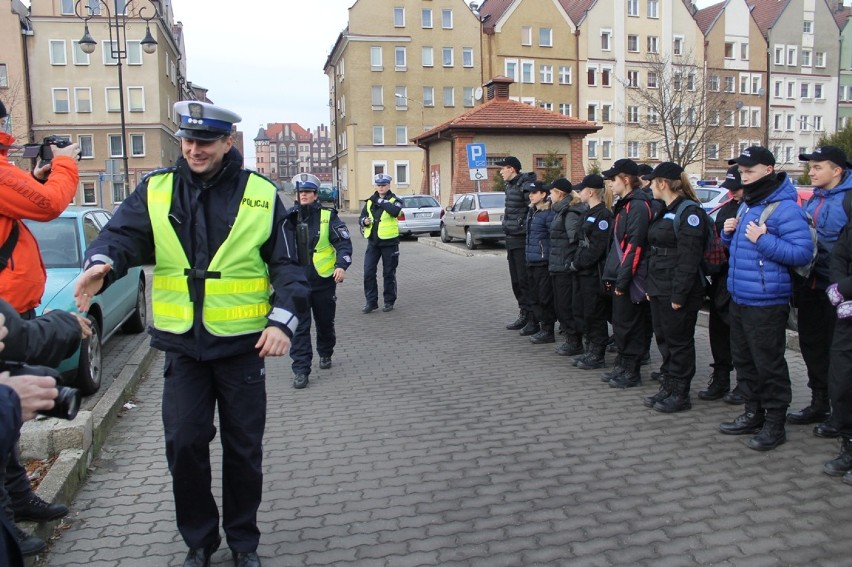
(477, 163)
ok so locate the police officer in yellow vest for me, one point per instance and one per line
(217, 234)
(378, 218)
(324, 241)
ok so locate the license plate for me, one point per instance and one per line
(423, 215)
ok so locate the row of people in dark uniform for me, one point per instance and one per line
(648, 265)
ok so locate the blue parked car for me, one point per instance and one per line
(122, 306)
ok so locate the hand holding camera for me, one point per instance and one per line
(41, 391)
(44, 152)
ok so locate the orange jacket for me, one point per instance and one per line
(24, 197)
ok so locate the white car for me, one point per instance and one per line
(421, 214)
(712, 197)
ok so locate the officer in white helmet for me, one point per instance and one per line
(378, 217)
(325, 250)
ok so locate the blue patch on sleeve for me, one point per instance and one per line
(692, 220)
(603, 225)
(669, 216)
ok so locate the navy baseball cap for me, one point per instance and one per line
(204, 121)
(562, 184)
(511, 161)
(753, 155)
(732, 180)
(592, 181)
(539, 186)
(665, 170)
(827, 153)
(625, 165)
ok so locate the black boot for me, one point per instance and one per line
(749, 422)
(826, 430)
(664, 392)
(817, 412)
(773, 433)
(530, 328)
(628, 379)
(678, 400)
(595, 359)
(518, 323)
(718, 386)
(617, 369)
(544, 336)
(842, 464)
(571, 347)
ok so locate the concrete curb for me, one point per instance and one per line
(69, 471)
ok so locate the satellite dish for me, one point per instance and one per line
(477, 94)
(739, 104)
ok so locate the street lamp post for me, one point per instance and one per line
(117, 24)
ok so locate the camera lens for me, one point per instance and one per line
(66, 405)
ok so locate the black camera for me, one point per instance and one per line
(42, 150)
(67, 403)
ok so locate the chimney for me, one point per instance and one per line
(498, 88)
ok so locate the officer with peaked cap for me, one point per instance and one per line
(378, 218)
(323, 239)
(218, 236)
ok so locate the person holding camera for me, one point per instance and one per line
(218, 236)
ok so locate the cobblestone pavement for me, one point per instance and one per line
(440, 438)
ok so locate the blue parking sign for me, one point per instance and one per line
(476, 156)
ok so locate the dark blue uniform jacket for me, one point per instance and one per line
(338, 235)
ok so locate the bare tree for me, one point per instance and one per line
(679, 108)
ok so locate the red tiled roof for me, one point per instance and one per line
(490, 11)
(576, 9)
(766, 13)
(841, 16)
(510, 115)
(707, 17)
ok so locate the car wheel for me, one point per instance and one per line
(469, 241)
(445, 237)
(139, 319)
(90, 368)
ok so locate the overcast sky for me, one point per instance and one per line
(263, 59)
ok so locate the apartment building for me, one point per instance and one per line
(736, 75)
(284, 149)
(76, 95)
(844, 97)
(399, 68)
(14, 27)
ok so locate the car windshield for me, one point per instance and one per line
(706, 194)
(57, 241)
(492, 200)
(418, 202)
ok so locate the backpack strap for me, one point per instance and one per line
(767, 210)
(680, 208)
(9, 246)
(847, 206)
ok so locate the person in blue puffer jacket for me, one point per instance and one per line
(761, 286)
(828, 171)
(537, 254)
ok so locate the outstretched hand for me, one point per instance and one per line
(88, 284)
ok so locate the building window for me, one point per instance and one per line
(467, 57)
(819, 60)
(653, 9)
(756, 84)
(401, 96)
(527, 72)
(447, 56)
(467, 97)
(818, 91)
(79, 56)
(677, 82)
(378, 136)
(115, 149)
(633, 79)
(712, 151)
(57, 52)
(592, 149)
(755, 117)
(713, 117)
(652, 150)
(136, 99)
(591, 110)
(789, 122)
(729, 84)
(86, 147)
(818, 123)
(428, 96)
(713, 83)
(4, 76)
(606, 149)
(512, 69)
(633, 150)
(401, 169)
(399, 58)
(633, 114)
(606, 40)
(428, 57)
(565, 108)
(606, 113)
(805, 90)
(564, 75)
(546, 106)
(377, 98)
(592, 76)
(134, 52)
(60, 101)
(777, 121)
(677, 45)
(791, 56)
(729, 118)
(113, 104)
(83, 99)
(399, 17)
(791, 89)
(633, 7)
(779, 55)
(426, 18)
(66, 7)
(744, 84)
(545, 37)
(449, 97)
(376, 58)
(807, 26)
(606, 77)
(546, 74)
(401, 136)
(778, 89)
(89, 193)
(652, 79)
(744, 51)
(137, 145)
(633, 43)
(526, 36)
(729, 50)
(653, 117)
(806, 57)
(653, 44)
(447, 19)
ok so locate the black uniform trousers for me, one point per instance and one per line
(389, 255)
(592, 307)
(323, 305)
(674, 330)
(816, 330)
(718, 327)
(840, 377)
(517, 257)
(541, 292)
(565, 288)
(758, 343)
(630, 327)
(192, 390)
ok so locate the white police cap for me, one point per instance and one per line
(204, 121)
(306, 182)
(382, 179)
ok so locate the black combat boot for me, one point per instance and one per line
(518, 323)
(735, 397)
(679, 399)
(530, 328)
(544, 336)
(664, 392)
(595, 359)
(817, 412)
(718, 386)
(826, 430)
(749, 422)
(617, 369)
(572, 346)
(630, 378)
(773, 433)
(842, 464)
